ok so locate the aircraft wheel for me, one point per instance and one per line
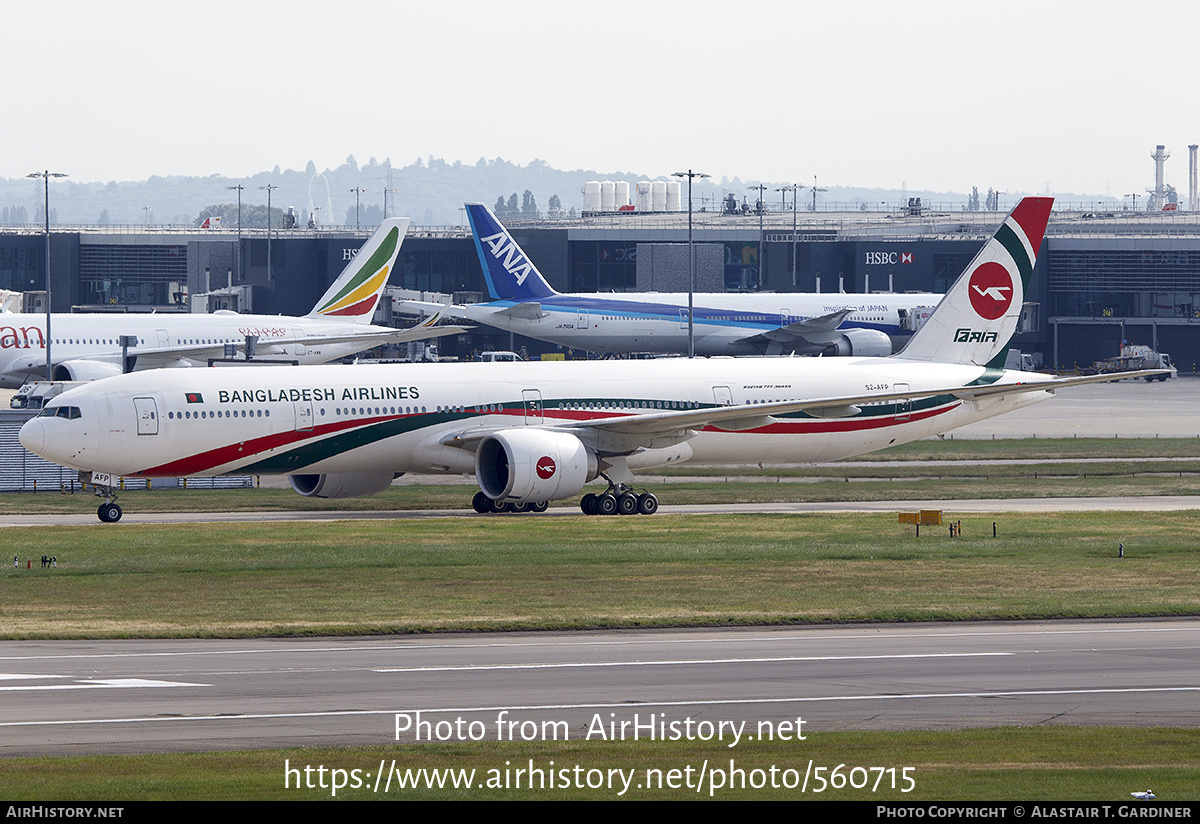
(606, 504)
(481, 503)
(539, 506)
(627, 503)
(518, 507)
(647, 504)
(588, 503)
(109, 513)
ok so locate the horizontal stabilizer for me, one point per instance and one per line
(525, 311)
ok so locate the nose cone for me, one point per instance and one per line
(33, 436)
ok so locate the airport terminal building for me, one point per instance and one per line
(1101, 277)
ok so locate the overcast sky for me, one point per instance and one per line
(1019, 96)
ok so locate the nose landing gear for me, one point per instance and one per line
(109, 512)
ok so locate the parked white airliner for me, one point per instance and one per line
(537, 432)
(86, 347)
(765, 323)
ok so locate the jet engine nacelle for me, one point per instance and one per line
(869, 343)
(85, 370)
(533, 465)
(353, 485)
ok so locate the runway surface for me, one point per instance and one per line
(127, 696)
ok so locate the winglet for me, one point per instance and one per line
(434, 318)
(509, 272)
(977, 319)
(355, 293)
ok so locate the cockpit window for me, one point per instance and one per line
(69, 412)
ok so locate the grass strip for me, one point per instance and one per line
(353, 577)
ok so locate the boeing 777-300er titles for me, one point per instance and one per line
(537, 432)
(724, 324)
(86, 347)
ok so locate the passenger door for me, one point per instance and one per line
(147, 416)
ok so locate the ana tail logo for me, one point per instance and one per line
(509, 255)
(507, 270)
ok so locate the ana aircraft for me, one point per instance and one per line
(724, 324)
(536, 432)
(86, 347)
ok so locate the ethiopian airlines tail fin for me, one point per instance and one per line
(976, 320)
(354, 295)
(509, 272)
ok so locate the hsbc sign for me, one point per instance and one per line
(888, 258)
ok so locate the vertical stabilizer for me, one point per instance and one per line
(354, 295)
(509, 272)
(976, 320)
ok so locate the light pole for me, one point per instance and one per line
(269, 187)
(689, 174)
(357, 191)
(45, 176)
(760, 206)
(814, 193)
(795, 241)
(239, 188)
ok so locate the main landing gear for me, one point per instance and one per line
(619, 500)
(486, 506)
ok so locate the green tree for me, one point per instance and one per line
(529, 205)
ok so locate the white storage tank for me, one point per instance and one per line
(674, 196)
(658, 196)
(621, 195)
(642, 194)
(591, 196)
(608, 196)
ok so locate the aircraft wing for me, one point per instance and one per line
(622, 434)
(802, 331)
(750, 416)
(421, 308)
(529, 310)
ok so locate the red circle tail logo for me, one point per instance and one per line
(545, 467)
(991, 290)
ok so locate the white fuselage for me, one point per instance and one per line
(83, 340)
(412, 418)
(723, 324)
